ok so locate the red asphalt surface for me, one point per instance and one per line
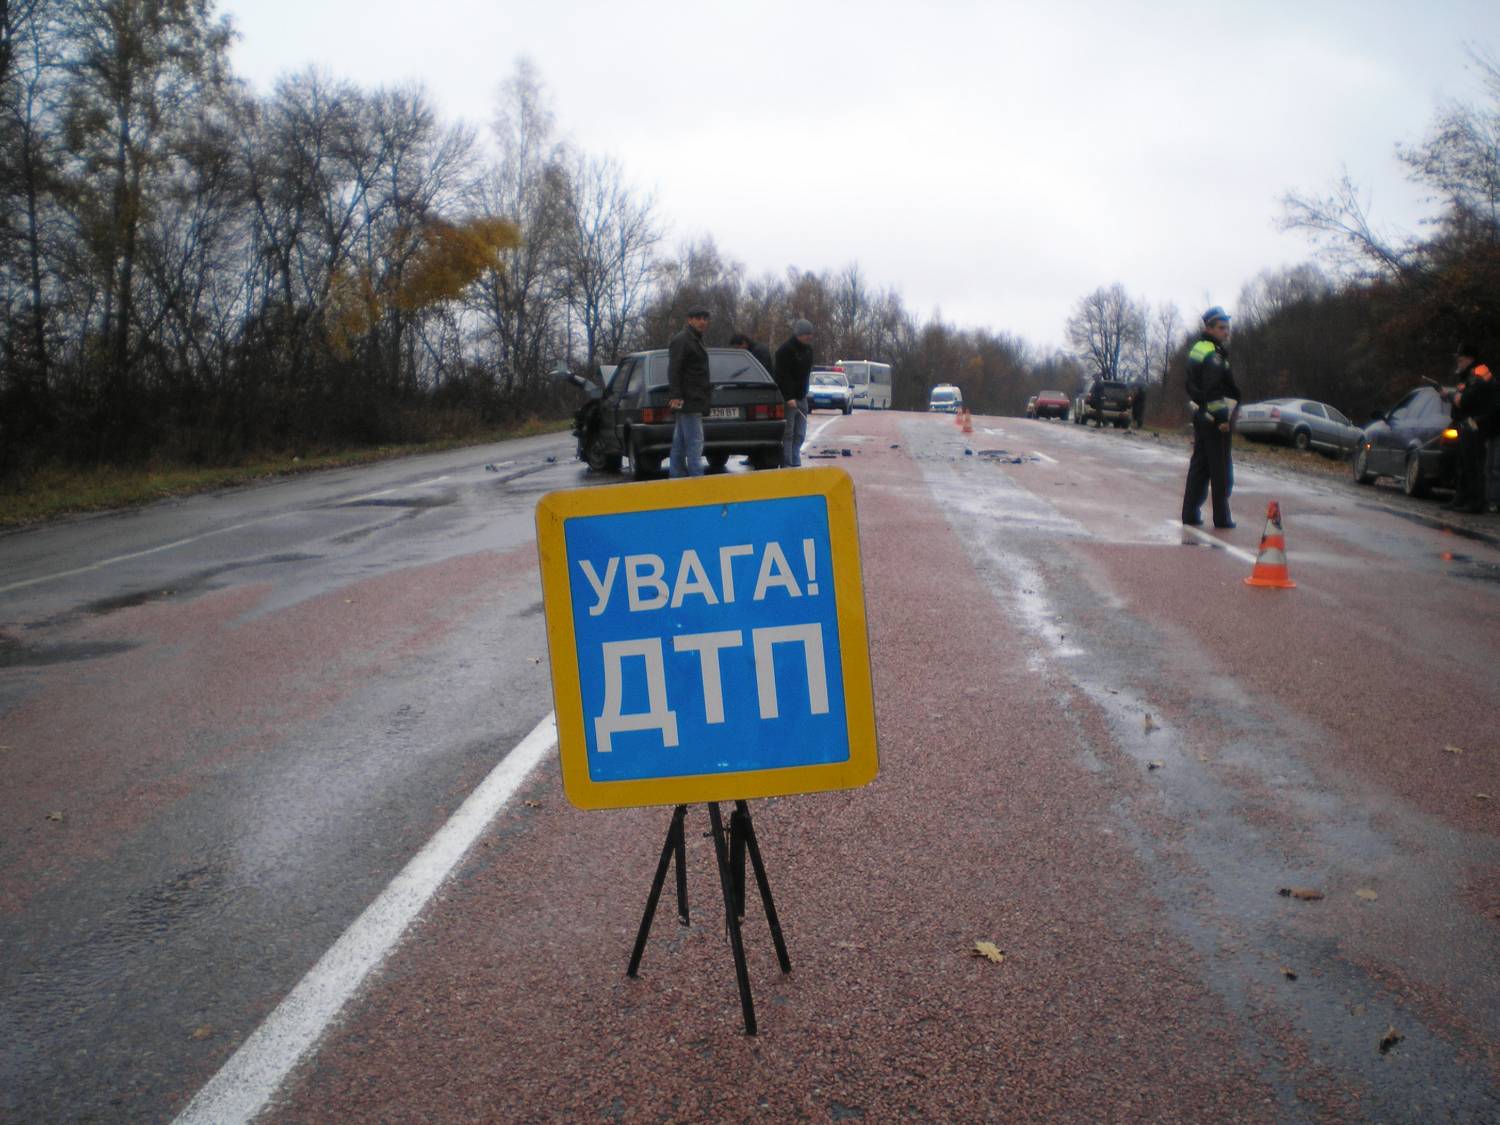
(996, 817)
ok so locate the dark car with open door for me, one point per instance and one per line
(1415, 442)
(630, 419)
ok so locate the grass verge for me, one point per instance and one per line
(55, 491)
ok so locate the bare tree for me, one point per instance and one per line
(1108, 329)
(609, 256)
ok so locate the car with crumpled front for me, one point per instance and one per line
(1301, 423)
(1414, 441)
(629, 417)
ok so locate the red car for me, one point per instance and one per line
(1052, 404)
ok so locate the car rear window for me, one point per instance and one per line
(723, 367)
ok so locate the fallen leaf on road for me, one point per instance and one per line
(989, 949)
(203, 1032)
(1306, 894)
(1203, 757)
(1148, 725)
(532, 804)
(1454, 749)
(1155, 765)
(1390, 1039)
(1366, 894)
(54, 816)
(1481, 796)
(1290, 974)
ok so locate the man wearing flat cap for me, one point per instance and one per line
(794, 364)
(1214, 396)
(688, 386)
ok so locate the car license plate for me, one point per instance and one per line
(724, 412)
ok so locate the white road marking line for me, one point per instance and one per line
(246, 1083)
(1214, 542)
(1038, 453)
(368, 496)
(102, 563)
(813, 436)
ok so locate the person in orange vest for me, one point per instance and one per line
(1476, 413)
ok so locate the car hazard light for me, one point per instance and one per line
(655, 415)
(761, 412)
(1450, 434)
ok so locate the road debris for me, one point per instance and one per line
(1390, 1039)
(1454, 749)
(1290, 974)
(1366, 894)
(1303, 894)
(989, 949)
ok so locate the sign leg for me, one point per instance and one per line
(679, 845)
(742, 973)
(742, 810)
(673, 845)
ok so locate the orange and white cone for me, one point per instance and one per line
(968, 421)
(1270, 563)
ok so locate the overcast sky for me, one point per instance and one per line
(993, 161)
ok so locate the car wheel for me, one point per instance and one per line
(717, 460)
(1362, 474)
(1412, 482)
(643, 466)
(599, 459)
(1302, 441)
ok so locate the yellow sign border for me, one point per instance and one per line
(553, 511)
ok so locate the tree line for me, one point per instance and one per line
(193, 272)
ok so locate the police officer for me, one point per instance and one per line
(1214, 398)
(689, 388)
(1475, 410)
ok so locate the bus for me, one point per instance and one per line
(870, 381)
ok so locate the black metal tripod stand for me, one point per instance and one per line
(730, 854)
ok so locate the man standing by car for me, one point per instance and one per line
(758, 350)
(1475, 412)
(794, 364)
(689, 387)
(1214, 397)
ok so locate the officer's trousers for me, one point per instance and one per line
(1208, 470)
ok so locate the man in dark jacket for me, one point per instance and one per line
(758, 350)
(794, 364)
(1476, 414)
(689, 387)
(1215, 397)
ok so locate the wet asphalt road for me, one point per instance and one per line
(229, 721)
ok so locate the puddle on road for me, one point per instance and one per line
(14, 654)
(433, 500)
(185, 587)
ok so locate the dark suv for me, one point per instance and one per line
(630, 416)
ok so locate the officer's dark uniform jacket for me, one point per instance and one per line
(687, 371)
(1210, 382)
(1478, 398)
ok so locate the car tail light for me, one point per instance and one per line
(1450, 434)
(655, 415)
(763, 412)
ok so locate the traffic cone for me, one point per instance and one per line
(968, 421)
(1270, 563)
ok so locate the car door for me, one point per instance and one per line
(612, 407)
(1345, 432)
(1388, 444)
(1317, 424)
